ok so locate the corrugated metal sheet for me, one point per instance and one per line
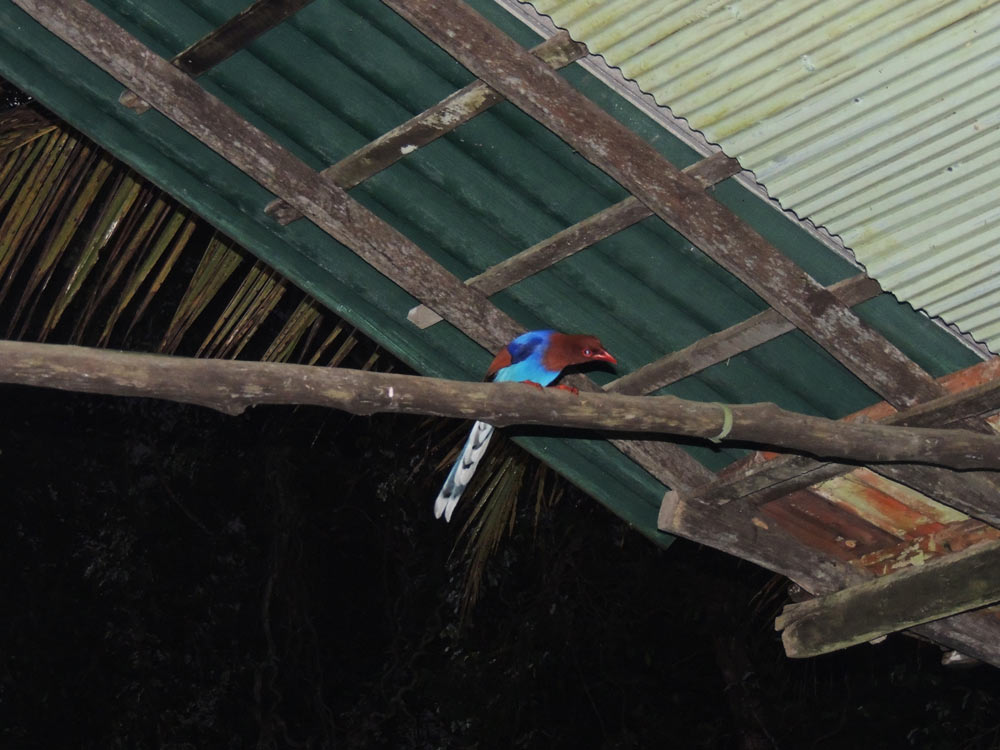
(342, 72)
(877, 120)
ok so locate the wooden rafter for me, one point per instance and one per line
(708, 172)
(225, 41)
(456, 109)
(677, 198)
(216, 125)
(730, 528)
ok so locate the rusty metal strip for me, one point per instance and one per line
(557, 51)
(974, 493)
(676, 198)
(708, 171)
(718, 347)
(225, 41)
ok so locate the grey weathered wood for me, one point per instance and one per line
(228, 39)
(708, 171)
(234, 386)
(215, 124)
(99, 39)
(727, 529)
(676, 198)
(718, 347)
(546, 253)
(557, 51)
(945, 586)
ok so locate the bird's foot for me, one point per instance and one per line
(571, 389)
(532, 383)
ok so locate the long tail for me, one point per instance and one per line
(461, 473)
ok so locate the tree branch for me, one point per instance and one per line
(232, 386)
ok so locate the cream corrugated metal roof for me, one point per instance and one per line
(878, 120)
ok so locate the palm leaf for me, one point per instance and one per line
(66, 226)
(217, 264)
(123, 194)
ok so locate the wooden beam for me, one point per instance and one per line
(708, 171)
(495, 58)
(457, 109)
(121, 55)
(676, 198)
(973, 493)
(942, 587)
(225, 41)
(219, 127)
(718, 347)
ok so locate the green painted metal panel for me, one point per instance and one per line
(342, 72)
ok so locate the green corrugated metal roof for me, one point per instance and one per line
(340, 73)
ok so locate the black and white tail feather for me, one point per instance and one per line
(461, 473)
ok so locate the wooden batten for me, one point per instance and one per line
(457, 109)
(675, 197)
(225, 41)
(718, 347)
(708, 171)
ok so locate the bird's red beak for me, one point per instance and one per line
(605, 356)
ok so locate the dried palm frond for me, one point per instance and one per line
(84, 241)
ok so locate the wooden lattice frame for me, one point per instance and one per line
(693, 508)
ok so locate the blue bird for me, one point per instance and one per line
(535, 357)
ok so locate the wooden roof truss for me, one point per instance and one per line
(762, 510)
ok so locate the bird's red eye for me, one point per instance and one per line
(588, 353)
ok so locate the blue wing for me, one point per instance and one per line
(526, 352)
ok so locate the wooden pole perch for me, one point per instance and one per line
(232, 386)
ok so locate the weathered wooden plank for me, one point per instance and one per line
(675, 197)
(708, 171)
(942, 587)
(973, 634)
(718, 347)
(228, 39)
(557, 51)
(180, 98)
(727, 529)
(121, 55)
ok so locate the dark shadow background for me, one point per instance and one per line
(176, 578)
